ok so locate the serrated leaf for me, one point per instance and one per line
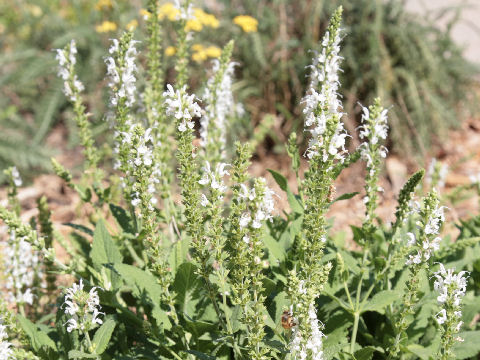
(380, 300)
(103, 335)
(37, 337)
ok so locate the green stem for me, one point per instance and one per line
(357, 310)
(354, 332)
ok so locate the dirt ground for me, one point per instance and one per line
(460, 151)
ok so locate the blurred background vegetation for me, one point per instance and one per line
(414, 66)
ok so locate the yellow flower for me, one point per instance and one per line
(205, 18)
(106, 26)
(197, 47)
(211, 21)
(170, 51)
(213, 52)
(193, 25)
(199, 56)
(145, 14)
(103, 5)
(247, 23)
(168, 11)
(132, 25)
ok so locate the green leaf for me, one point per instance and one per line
(75, 354)
(380, 300)
(144, 283)
(37, 337)
(295, 227)
(422, 352)
(123, 219)
(104, 250)
(470, 347)
(179, 253)
(293, 200)
(103, 335)
(279, 179)
(335, 342)
(185, 284)
(79, 227)
(275, 250)
(344, 197)
(365, 353)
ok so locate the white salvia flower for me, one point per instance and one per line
(214, 178)
(182, 106)
(448, 283)
(66, 61)
(183, 12)
(83, 307)
(375, 130)
(219, 105)
(122, 78)
(17, 180)
(321, 106)
(245, 220)
(432, 227)
(435, 221)
(411, 239)
(22, 268)
(451, 288)
(6, 352)
(204, 201)
(311, 347)
(265, 208)
(441, 316)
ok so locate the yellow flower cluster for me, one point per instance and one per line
(106, 26)
(168, 11)
(247, 23)
(199, 20)
(201, 53)
(132, 25)
(103, 5)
